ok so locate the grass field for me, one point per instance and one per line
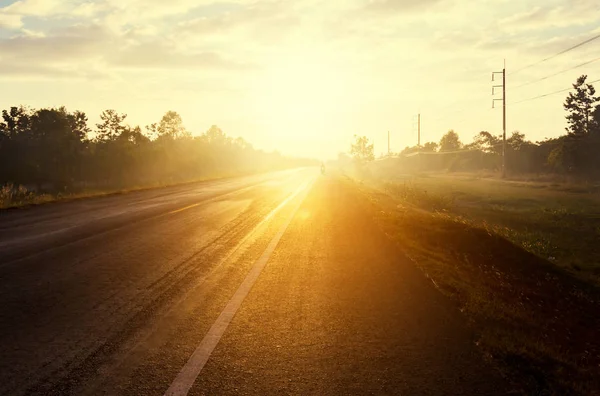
(557, 222)
(519, 258)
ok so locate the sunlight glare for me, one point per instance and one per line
(301, 94)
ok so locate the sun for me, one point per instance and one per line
(299, 98)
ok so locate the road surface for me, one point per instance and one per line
(271, 284)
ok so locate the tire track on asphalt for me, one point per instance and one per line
(191, 370)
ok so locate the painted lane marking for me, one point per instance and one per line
(188, 374)
(185, 208)
(94, 387)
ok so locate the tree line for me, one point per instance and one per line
(574, 153)
(55, 150)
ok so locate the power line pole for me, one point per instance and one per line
(388, 143)
(503, 72)
(419, 131)
(416, 123)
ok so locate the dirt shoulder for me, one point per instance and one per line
(537, 321)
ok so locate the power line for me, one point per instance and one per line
(557, 73)
(475, 99)
(551, 93)
(560, 53)
(503, 86)
(456, 102)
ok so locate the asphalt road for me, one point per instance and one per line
(271, 284)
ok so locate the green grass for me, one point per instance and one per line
(505, 253)
(558, 222)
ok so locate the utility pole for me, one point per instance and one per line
(418, 126)
(419, 131)
(503, 72)
(388, 143)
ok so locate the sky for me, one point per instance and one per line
(301, 77)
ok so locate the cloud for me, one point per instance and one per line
(155, 9)
(455, 39)
(10, 21)
(33, 7)
(88, 10)
(11, 16)
(399, 6)
(161, 55)
(10, 69)
(557, 44)
(261, 20)
(569, 13)
(69, 44)
(77, 47)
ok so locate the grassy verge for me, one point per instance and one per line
(558, 222)
(498, 250)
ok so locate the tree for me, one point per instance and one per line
(242, 143)
(15, 122)
(450, 141)
(430, 147)
(517, 140)
(111, 126)
(56, 145)
(171, 126)
(14, 135)
(562, 158)
(595, 123)
(50, 148)
(134, 135)
(152, 131)
(580, 105)
(361, 150)
(487, 142)
(215, 135)
(410, 150)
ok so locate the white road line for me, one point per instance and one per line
(188, 374)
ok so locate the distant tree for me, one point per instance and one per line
(450, 141)
(517, 140)
(56, 145)
(580, 106)
(171, 126)
(595, 123)
(111, 127)
(430, 147)
(15, 121)
(152, 131)
(487, 142)
(562, 158)
(51, 148)
(134, 135)
(79, 123)
(241, 143)
(14, 135)
(410, 150)
(215, 135)
(361, 150)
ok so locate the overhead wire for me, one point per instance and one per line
(534, 81)
(557, 73)
(456, 102)
(557, 54)
(549, 94)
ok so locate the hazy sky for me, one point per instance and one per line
(299, 76)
